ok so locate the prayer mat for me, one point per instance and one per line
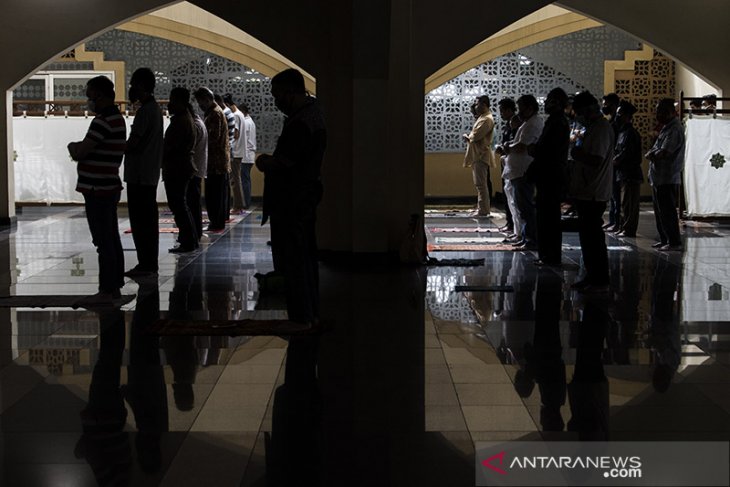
(162, 230)
(622, 248)
(469, 240)
(484, 289)
(468, 247)
(171, 221)
(696, 224)
(464, 230)
(56, 301)
(454, 262)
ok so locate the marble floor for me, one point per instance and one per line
(407, 377)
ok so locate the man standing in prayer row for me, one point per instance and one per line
(200, 156)
(665, 169)
(627, 165)
(219, 162)
(249, 157)
(238, 149)
(99, 156)
(178, 167)
(507, 110)
(231, 122)
(520, 189)
(609, 107)
(591, 186)
(479, 154)
(292, 192)
(142, 161)
(547, 170)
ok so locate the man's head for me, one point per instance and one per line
(556, 102)
(481, 105)
(709, 101)
(527, 106)
(515, 122)
(179, 100)
(610, 104)
(287, 88)
(230, 103)
(507, 108)
(585, 107)
(244, 108)
(665, 110)
(142, 84)
(100, 93)
(625, 112)
(219, 101)
(205, 98)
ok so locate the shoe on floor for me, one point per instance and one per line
(181, 250)
(137, 272)
(658, 245)
(670, 247)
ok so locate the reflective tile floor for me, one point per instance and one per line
(409, 375)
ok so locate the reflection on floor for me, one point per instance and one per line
(409, 376)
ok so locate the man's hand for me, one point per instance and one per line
(263, 161)
(72, 150)
(465, 137)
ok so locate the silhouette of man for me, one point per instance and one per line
(292, 191)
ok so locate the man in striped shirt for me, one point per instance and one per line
(99, 156)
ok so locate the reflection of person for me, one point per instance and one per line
(219, 160)
(664, 335)
(479, 153)
(178, 167)
(145, 391)
(104, 443)
(142, 161)
(591, 185)
(588, 390)
(292, 191)
(547, 170)
(665, 172)
(99, 156)
(295, 447)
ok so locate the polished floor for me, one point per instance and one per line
(408, 376)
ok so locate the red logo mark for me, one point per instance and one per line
(487, 463)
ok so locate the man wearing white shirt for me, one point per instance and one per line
(519, 190)
(249, 156)
(238, 148)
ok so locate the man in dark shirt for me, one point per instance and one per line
(627, 167)
(219, 160)
(178, 167)
(551, 155)
(99, 156)
(507, 110)
(609, 105)
(142, 161)
(292, 191)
